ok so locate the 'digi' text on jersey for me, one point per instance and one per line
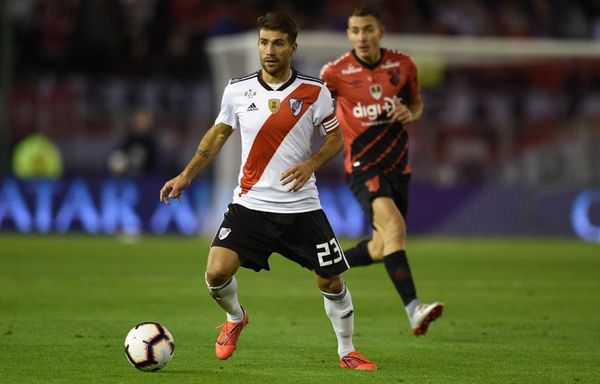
(371, 111)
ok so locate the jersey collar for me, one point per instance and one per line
(367, 65)
(283, 86)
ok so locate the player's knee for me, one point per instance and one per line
(394, 229)
(376, 249)
(333, 284)
(216, 277)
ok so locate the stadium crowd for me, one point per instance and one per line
(81, 68)
(165, 37)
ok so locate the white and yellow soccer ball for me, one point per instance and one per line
(149, 346)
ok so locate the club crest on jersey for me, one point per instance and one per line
(376, 91)
(296, 106)
(224, 232)
(274, 105)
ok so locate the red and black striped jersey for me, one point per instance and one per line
(364, 93)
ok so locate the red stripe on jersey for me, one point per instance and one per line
(387, 150)
(398, 160)
(372, 143)
(273, 132)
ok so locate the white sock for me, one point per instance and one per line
(410, 308)
(226, 296)
(340, 311)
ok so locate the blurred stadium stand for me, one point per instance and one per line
(502, 142)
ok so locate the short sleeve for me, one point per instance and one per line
(227, 114)
(324, 115)
(327, 77)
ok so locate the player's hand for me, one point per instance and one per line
(400, 112)
(173, 188)
(298, 175)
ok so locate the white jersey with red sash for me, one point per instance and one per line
(276, 128)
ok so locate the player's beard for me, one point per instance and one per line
(279, 70)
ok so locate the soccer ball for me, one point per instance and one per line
(149, 346)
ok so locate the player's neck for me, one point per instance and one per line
(370, 59)
(277, 78)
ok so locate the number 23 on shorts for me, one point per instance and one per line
(325, 251)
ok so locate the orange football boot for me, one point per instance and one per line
(354, 360)
(227, 340)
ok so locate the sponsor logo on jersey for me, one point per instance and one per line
(274, 105)
(376, 91)
(250, 93)
(224, 232)
(371, 111)
(351, 69)
(296, 106)
(252, 107)
(390, 64)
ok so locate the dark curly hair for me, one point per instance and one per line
(277, 21)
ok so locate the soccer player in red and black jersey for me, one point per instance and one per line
(377, 95)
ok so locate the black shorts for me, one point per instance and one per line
(394, 186)
(306, 238)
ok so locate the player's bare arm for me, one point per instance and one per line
(299, 174)
(416, 107)
(406, 113)
(209, 147)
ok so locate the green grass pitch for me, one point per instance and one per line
(517, 311)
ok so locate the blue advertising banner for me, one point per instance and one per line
(109, 206)
(131, 206)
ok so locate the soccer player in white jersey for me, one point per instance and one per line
(275, 206)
